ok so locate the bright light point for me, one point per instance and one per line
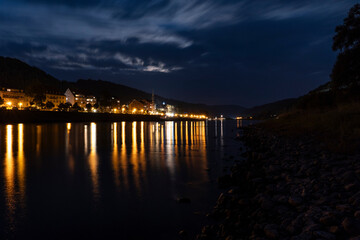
(94, 110)
(170, 115)
(9, 103)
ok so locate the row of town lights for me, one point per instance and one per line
(142, 111)
(10, 103)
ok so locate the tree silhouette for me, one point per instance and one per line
(64, 106)
(88, 106)
(49, 105)
(1, 101)
(76, 107)
(346, 71)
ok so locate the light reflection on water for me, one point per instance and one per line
(81, 165)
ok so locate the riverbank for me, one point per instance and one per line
(288, 188)
(24, 116)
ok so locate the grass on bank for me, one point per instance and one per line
(338, 127)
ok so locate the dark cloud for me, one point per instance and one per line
(217, 51)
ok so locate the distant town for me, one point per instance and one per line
(81, 101)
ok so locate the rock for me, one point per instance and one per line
(351, 186)
(296, 225)
(343, 208)
(183, 200)
(328, 219)
(312, 227)
(303, 236)
(271, 231)
(334, 229)
(349, 177)
(357, 214)
(351, 226)
(183, 234)
(295, 201)
(324, 235)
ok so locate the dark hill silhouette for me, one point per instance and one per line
(17, 74)
(271, 109)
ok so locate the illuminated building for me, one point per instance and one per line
(14, 98)
(55, 98)
(140, 106)
(80, 98)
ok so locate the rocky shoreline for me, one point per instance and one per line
(287, 189)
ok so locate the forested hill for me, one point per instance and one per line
(17, 74)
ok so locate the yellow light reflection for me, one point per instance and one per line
(93, 161)
(68, 152)
(38, 140)
(170, 160)
(141, 155)
(176, 134)
(191, 132)
(21, 164)
(186, 133)
(181, 133)
(115, 156)
(124, 157)
(86, 135)
(9, 174)
(134, 159)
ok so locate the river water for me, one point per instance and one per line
(111, 180)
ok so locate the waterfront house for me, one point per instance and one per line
(14, 98)
(55, 97)
(139, 106)
(79, 97)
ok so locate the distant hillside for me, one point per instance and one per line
(17, 74)
(271, 109)
(126, 94)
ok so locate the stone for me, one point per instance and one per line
(183, 234)
(357, 214)
(295, 201)
(351, 226)
(351, 186)
(343, 208)
(183, 200)
(271, 231)
(325, 235)
(328, 219)
(334, 229)
(303, 236)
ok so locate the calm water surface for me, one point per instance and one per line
(110, 180)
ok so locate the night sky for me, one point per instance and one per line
(217, 52)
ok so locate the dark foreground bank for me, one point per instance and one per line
(24, 116)
(288, 189)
